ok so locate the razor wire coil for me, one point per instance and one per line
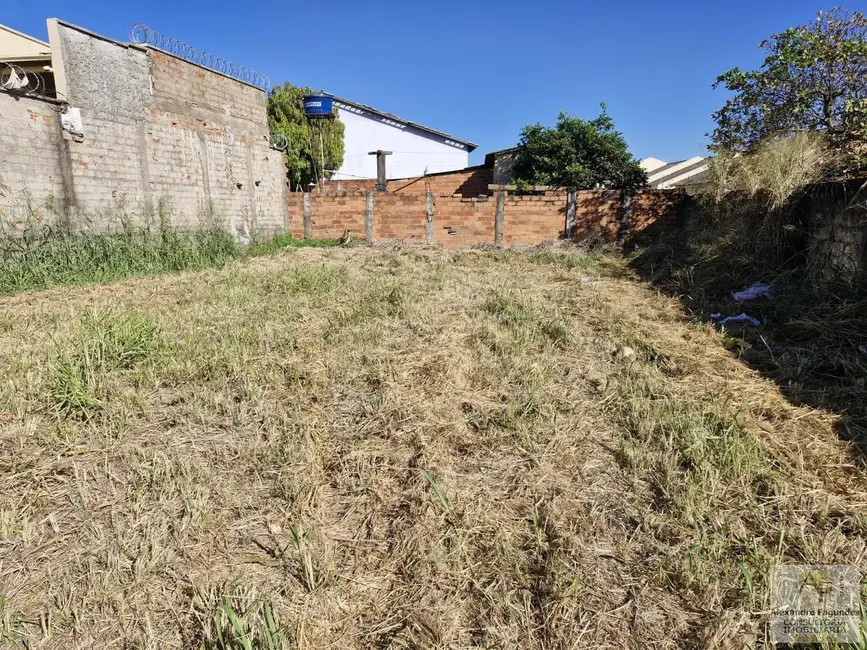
(144, 35)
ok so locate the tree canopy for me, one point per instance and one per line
(584, 154)
(305, 158)
(814, 78)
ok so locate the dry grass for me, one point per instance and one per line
(775, 171)
(398, 449)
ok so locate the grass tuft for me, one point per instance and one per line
(235, 617)
(103, 342)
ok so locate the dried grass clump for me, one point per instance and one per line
(772, 174)
(358, 448)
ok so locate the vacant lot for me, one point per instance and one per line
(399, 449)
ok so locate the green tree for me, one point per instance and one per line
(814, 78)
(585, 154)
(314, 146)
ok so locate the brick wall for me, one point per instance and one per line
(461, 223)
(651, 212)
(835, 215)
(530, 220)
(471, 182)
(295, 214)
(161, 137)
(400, 217)
(597, 215)
(31, 177)
(464, 222)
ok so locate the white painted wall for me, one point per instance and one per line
(415, 151)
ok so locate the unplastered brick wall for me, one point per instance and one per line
(597, 215)
(651, 212)
(471, 182)
(529, 220)
(160, 138)
(402, 217)
(463, 223)
(456, 222)
(329, 217)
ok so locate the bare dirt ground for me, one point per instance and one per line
(354, 448)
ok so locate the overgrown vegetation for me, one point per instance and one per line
(751, 225)
(584, 154)
(40, 258)
(814, 79)
(400, 449)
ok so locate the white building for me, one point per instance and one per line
(416, 149)
(662, 175)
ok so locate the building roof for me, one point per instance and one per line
(15, 46)
(391, 116)
(677, 173)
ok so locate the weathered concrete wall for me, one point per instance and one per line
(32, 187)
(161, 138)
(216, 129)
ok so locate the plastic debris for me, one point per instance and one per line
(70, 121)
(740, 318)
(757, 290)
(585, 278)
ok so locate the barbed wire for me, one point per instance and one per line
(15, 79)
(140, 33)
(278, 141)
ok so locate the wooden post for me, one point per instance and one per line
(570, 214)
(308, 225)
(368, 220)
(498, 218)
(429, 221)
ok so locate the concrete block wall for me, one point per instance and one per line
(161, 137)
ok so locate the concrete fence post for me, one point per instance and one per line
(308, 225)
(368, 219)
(429, 218)
(623, 229)
(570, 214)
(498, 217)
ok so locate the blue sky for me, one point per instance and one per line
(477, 69)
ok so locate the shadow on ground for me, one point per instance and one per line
(811, 340)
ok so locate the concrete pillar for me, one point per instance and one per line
(623, 230)
(429, 221)
(498, 217)
(308, 225)
(381, 180)
(368, 219)
(570, 214)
